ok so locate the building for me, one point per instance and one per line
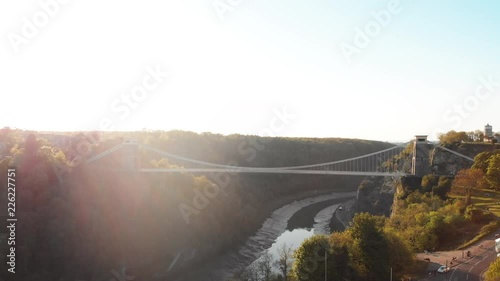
(488, 131)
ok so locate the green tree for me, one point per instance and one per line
(443, 187)
(370, 253)
(475, 215)
(310, 259)
(493, 273)
(340, 247)
(481, 161)
(493, 174)
(400, 254)
(428, 182)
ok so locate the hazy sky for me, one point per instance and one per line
(383, 70)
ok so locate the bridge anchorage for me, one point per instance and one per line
(380, 163)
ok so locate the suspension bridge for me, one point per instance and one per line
(380, 163)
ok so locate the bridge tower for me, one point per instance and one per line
(420, 160)
(131, 160)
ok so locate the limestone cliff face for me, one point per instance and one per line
(375, 195)
(445, 163)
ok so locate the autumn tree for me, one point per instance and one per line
(453, 138)
(466, 181)
(493, 273)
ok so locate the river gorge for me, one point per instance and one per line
(290, 224)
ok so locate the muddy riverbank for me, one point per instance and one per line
(220, 268)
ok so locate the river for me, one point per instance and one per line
(289, 224)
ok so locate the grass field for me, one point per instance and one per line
(485, 199)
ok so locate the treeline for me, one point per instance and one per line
(80, 221)
(488, 163)
(454, 138)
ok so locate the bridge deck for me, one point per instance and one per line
(271, 171)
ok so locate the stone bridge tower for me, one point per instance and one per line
(420, 165)
(130, 155)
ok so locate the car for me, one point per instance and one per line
(443, 269)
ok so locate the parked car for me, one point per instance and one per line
(443, 269)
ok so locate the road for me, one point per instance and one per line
(463, 269)
(472, 268)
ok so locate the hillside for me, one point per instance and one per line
(154, 224)
(376, 195)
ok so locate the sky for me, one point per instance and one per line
(381, 70)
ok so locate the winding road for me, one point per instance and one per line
(472, 269)
(464, 269)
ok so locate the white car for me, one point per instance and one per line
(443, 269)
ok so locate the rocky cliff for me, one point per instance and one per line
(376, 194)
